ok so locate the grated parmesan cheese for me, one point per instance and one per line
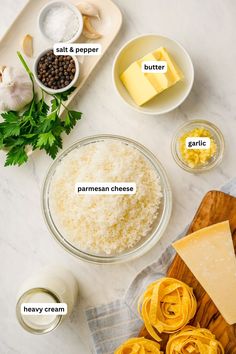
(105, 224)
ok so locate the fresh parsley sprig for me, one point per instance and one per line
(38, 126)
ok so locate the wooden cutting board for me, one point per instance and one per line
(215, 207)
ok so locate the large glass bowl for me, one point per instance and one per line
(146, 243)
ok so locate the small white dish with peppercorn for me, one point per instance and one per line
(55, 73)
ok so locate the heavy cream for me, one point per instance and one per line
(50, 287)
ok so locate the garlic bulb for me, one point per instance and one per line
(15, 89)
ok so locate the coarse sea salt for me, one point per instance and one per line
(61, 23)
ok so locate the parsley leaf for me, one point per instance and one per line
(10, 117)
(42, 106)
(63, 96)
(11, 129)
(54, 104)
(45, 139)
(16, 156)
(53, 150)
(70, 120)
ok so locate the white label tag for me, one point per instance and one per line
(154, 67)
(87, 49)
(198, 143)
(105, 188)
(38, 309)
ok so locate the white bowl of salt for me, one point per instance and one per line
(60, 21)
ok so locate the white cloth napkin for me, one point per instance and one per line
(111, 324)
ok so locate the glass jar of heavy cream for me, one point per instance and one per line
(51, 285)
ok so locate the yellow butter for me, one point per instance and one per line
(142, 87)
(174, 70)
(137, 84)
(159, 81)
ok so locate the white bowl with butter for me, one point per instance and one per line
(154, 93)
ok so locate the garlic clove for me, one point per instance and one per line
(27, 45)
(90, 35)
(2, 68)
(89, 31)
(88, 9)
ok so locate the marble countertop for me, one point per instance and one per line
(207, 30)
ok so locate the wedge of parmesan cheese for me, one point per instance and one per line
(209, 254)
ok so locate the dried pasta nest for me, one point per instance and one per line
(193, 340)
(167, 306)
(139, 346)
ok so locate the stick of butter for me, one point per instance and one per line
(141, 86)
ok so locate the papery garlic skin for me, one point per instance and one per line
(88, 9)
(15, 89)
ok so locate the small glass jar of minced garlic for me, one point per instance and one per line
(197, 146)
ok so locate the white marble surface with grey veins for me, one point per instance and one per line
(207, 30)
